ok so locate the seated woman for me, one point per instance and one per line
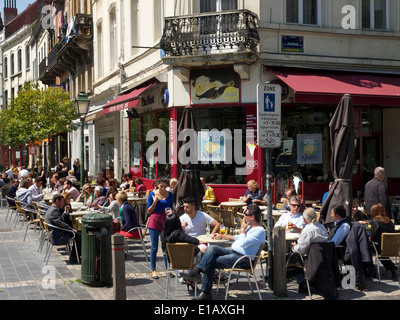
(87, 195)
(173, 233)
(253, 195)
(139, 186)
(357, 215)
(112, 208)
(381, 223)
(127, 217)
(208, 191)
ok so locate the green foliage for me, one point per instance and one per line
(35, 115)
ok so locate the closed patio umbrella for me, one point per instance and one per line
(189, 184)
(341, 129)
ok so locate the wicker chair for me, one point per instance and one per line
(181, 257)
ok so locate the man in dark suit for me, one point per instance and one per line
(376, 192)
(55, 217)
(12, 191)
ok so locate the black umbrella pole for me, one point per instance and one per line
(269, 270)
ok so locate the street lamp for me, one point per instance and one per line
(82, 106)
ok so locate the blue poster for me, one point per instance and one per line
(309, 148)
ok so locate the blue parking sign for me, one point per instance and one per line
(269, 102)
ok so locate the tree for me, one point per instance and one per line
(35, 115)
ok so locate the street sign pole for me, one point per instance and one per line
(269, 137)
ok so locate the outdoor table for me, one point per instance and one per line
(133, 200)
(233, 205)
(275, 214)
(291, 236)
(207, 238)
(48, 197)
(76, 218)
(205, 203)
(75, 206)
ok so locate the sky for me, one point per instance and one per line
(21, 5)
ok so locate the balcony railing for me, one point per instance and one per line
(231, 31)
(42, 67)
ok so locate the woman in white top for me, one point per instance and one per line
(113, 207)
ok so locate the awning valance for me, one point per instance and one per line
(316, 86)
(125, 101)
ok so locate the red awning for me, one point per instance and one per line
(312, 86)
(125, 101)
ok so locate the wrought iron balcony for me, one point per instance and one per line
(74, 46)
(232, 32)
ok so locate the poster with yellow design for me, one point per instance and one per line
(214, 85)
(211, 146)
(309, 148)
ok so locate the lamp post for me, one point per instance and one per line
(82, 105)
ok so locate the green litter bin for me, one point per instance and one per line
(96, 265)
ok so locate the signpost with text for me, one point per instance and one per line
(268, 137)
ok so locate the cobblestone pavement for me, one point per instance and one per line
(24, 276)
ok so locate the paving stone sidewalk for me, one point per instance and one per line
(24, 276)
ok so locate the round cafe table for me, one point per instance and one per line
(207, 238)
(76, 217)
(233, 205)
(205, 203)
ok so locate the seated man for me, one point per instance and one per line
(23, 194)
(340, 227)
(99, 197)
(194, 222)
(11, 193)
(248, 242)
(54, 216)
(294, 218)
(36, 189)
(312, 232)
(289, 192)
(71, 190)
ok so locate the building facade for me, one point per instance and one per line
(142, 62)
(211, 55)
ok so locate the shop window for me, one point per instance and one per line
(371, 121)
(303, 12)
(305, 147)
(155, 165)
(226, 118)
(135, 143)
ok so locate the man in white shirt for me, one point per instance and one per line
(248, 242)
(195, 222)
(36, 190)
(24, 172)
(293, 219)
(312, 232)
